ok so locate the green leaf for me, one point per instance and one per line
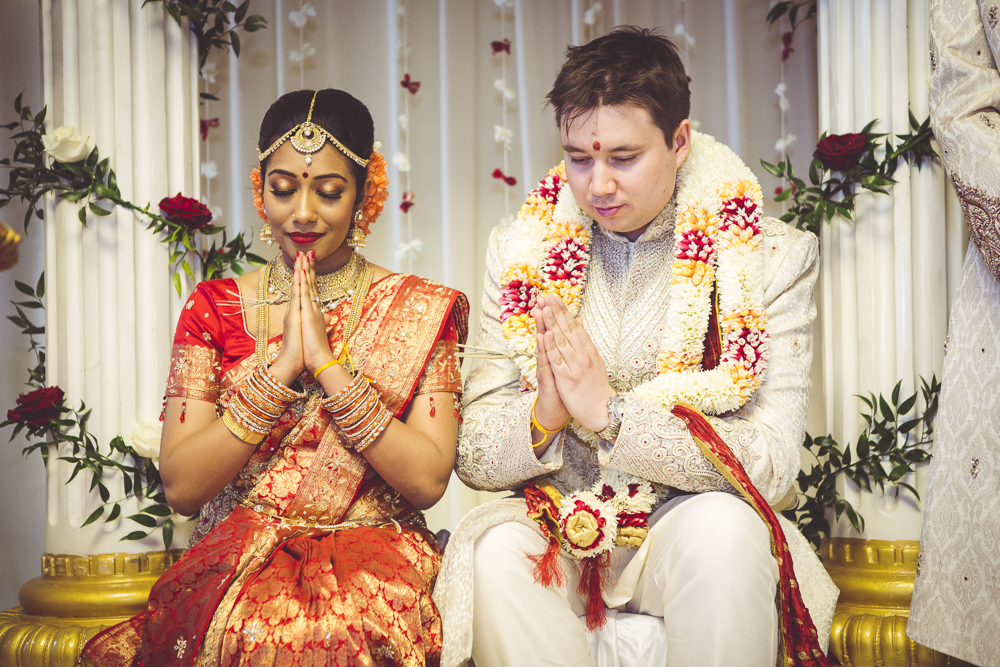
(115, 512)
(144, 520)
(97, 210)
(24, 288)
(94, 516)
(886, 410)
(157, 510)
(898, 472)
(783, 195)
(895, 392)
(168, 533)
(177, 283)
(908, 405)
(135, 535)
(235, 39)
(83, 216)
(772, 169)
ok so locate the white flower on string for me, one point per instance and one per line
(404, 121)
(780, 92)
(377, 146)
(589, 16)
(215, 209)
(208, 71)
(695, 124)
(501, 85)
(404, 50)
(409, 249)
(781, 145)
(209, 169)
(402, 161)
(400, 7)
(502, 135)
(503, 3)
(301, 17)
(681, 31)
(299, 55)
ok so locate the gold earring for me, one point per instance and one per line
(356, 238)
(266, 234)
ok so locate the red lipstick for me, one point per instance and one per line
(304, 238)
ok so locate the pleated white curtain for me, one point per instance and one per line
(449, 133)
(127, 76)
(888, 278)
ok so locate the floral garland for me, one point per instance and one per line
(716, 251)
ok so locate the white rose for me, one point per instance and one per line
(63, 144)
(144, 438)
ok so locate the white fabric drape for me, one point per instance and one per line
(889, 277)
(125, 75)
(734, 63)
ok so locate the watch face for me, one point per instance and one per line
(615, 406)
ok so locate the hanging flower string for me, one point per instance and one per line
(408, 249)
(502, 134)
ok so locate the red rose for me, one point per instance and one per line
(840, 152)
(186, 211)
(37, 408)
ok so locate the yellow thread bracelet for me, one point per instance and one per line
(535, 424)
(324, 367)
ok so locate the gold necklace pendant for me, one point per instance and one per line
(333, 287)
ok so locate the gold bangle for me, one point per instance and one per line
(324, 367)
(535, 424)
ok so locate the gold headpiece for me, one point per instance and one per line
(308, 137)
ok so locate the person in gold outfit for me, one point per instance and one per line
(311, 413)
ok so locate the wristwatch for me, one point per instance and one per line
(616, 406)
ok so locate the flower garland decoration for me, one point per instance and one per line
(716, 247)
(503, 136)
(408, 87)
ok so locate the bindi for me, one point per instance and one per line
(597, 145)
(305, 174)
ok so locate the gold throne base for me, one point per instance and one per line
(75, 598)
(876, 584)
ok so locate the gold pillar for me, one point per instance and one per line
(75, 598)
(876, 584)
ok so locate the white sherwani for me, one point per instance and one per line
(623, 310)
(956, 598)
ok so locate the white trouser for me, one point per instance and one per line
(708, 573)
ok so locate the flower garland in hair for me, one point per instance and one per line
(377, 191)
(716, 246)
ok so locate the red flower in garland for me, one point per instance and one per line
(841, 152)
(509, 180)
(786, 45)
(185, 211)
(37, 408)
(207, 123)
(407, 202)
(499, 46)
(412, 86)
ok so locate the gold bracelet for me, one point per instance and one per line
(324, 367)
(535, 424)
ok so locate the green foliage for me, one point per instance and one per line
(36, 374)
(140, 476)
(213, 22)
(94, 183)
(831, 193)
(793, 9)
(891, 445)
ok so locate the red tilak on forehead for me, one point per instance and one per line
(597, 145)
(305, 174)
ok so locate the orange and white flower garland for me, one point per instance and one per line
(716, 244)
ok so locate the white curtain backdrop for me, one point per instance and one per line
(732, 56)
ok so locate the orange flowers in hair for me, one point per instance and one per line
(377, 193)
(258, 192)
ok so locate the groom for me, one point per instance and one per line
(655, 402)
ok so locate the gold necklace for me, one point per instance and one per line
(333, 287)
